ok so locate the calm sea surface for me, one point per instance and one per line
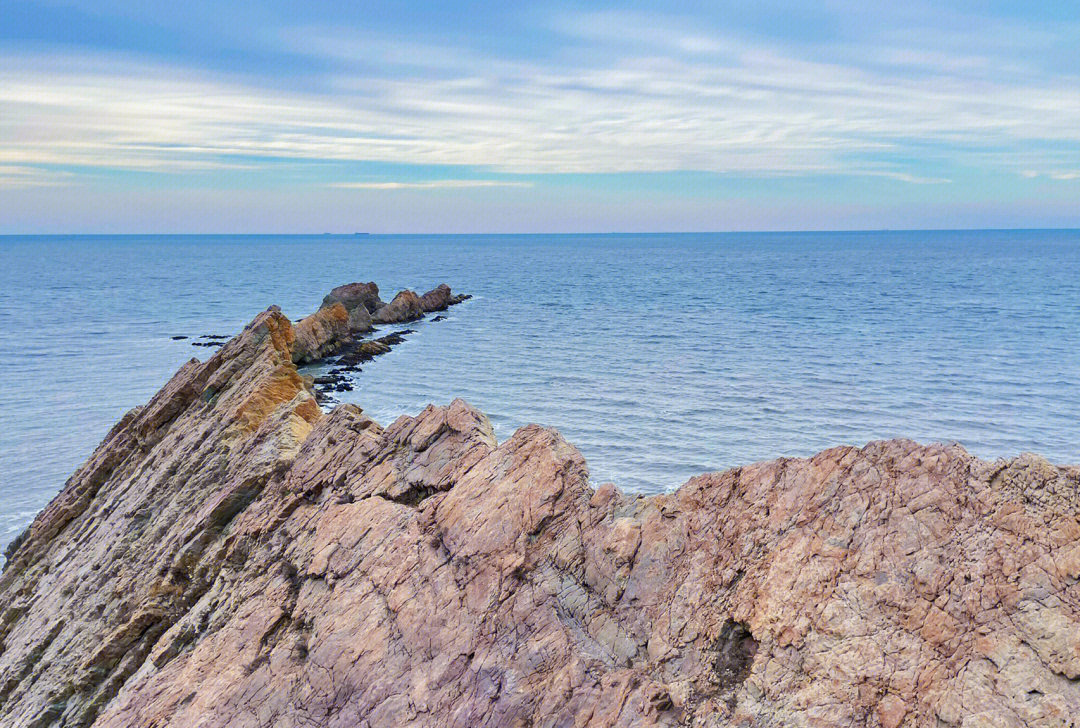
(659, 356)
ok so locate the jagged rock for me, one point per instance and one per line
(321, 333)
(360, 351)
(360, 320)
(437, 299)
(352, 295)
(231, 556)
(406, 306)
(440, 298)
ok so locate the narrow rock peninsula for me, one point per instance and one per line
(347, 313)
(233, 556)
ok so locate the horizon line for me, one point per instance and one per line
(565, 234)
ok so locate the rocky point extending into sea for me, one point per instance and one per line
(233, 555)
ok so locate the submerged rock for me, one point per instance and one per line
(232, 556)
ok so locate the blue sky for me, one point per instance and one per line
(514, 117)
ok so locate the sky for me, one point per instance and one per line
(430, 117)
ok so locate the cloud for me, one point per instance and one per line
(911, 178)
(659, 98)
(16, 177)
(1060, 175)
(431, 185)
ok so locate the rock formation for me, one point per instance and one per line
(336, 327)
(364, 307)
(406, 306)
(230, 555)
(321, 333)
(440, 298)
(360, 320)
(352, 295)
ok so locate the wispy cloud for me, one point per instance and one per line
(912, 178)
(661, 97)
(432, 185)
(15, 177)
(1058, 174)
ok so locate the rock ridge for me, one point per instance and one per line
(232, 555)
(346, 314)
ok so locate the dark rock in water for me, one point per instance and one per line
(215, 336)
(459, 298)
(406, 306)
(322, 397)
(439, 318)
(208, 343)
(352, 295)
(361, 351)
(179, 338)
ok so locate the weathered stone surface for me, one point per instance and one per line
(406, 306)
(360, 320)
(352, 295)
(437, 299)
(231, 556)
(321, 333)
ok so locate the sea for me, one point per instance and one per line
(659, 356)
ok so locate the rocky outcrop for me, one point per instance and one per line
(365, 308)
(233, 556)
(322, 333)
(440, 298)
(336, 329)
(353, 295)
(406, 306)
(360, 320)
(437, 299)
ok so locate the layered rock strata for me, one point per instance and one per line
(230, 555)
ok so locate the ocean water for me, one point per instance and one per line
(658, 356)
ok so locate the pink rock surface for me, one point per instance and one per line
(231, 556)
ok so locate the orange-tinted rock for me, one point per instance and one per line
(230, 556)
(321, 333)
(406, 306)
